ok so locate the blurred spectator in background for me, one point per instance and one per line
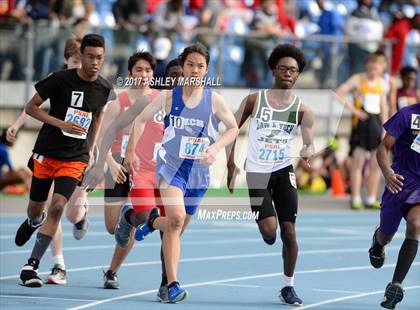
(363, 24)
(11, 176)
(390, 86)
(168, 17)
(130, 14)
(412, 48)
(266, 23)
(161, 48)
(72, 12)
(369, 113)
(130, 18)
(407, 94)
(330, 22)
(403, 23)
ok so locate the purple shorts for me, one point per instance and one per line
(395, 206)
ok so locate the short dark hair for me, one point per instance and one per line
(286, 50)
(194, 48)
(141, 55)
(407, 70)
(172, 63)
(92, 39)
(380, 53)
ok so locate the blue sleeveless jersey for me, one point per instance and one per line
(188, 130)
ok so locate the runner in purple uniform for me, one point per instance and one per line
(401, 197)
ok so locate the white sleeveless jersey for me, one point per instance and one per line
(270, 136)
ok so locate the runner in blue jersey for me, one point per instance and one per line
(190, 144)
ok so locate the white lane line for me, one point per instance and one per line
(330, 301)
(186, 242)
(43, 297)
(252, 277)
(237, 285)
(337, 291)
(190, 232)
(212, 258)
(142, 245)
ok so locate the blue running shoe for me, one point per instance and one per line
(176, 293)
(289, 296)
(144, 229)
(123, 229)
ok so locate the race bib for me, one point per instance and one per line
(156, 150)
(415, 121)
(271, 154)
(416, 144)
(80, 117)
(372, 103)
(124, 143)
(192, 147)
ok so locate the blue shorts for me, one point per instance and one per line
(192, 180)
(394, 207)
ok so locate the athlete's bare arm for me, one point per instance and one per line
(306, 120)
(393, 181)
(245, 110)
(12, 130)
(223, 113)
(384, 109)
(392, 96)
(162, 100)
(33, 109)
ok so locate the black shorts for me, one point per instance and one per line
(367, 134)
(274, 194)
(115, 192)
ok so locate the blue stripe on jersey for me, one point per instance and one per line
(183, 121)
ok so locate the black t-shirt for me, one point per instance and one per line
(71, 99)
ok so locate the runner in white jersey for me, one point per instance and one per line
(275, 115)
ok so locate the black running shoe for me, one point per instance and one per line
(26, 230)
(394, 293)
(111, 280)
(289, 297)
(29, 274)
(376, 252)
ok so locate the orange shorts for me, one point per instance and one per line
(145, 194)
(49, 168)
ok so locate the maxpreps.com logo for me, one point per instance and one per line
(219, 214)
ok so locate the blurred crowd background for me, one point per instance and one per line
(336, 35)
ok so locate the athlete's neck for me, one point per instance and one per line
(189, 91)
(284, 94)
(86, 77)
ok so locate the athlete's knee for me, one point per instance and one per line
(110, 226)
(268, 233)
(57, 206)
(288, 236)
(35, 208)
(176, 222)
(413, 229)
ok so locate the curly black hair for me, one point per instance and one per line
(286, 50)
